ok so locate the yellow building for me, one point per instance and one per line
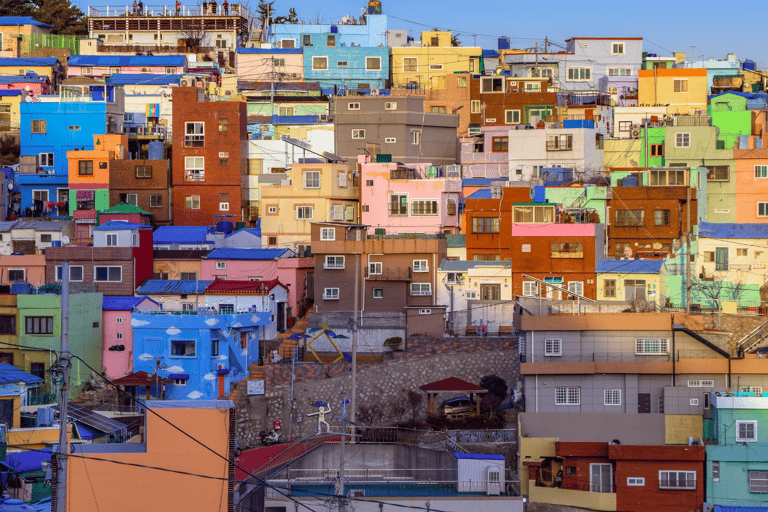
(632, 280)
(310, 193)
(682, 90)
(13, 29)
(621, 153)
(428, 65)
(10, 116)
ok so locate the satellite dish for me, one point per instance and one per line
(65, 240)
(165, 366)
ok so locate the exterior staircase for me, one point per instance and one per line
(287, 345)
(753, 339)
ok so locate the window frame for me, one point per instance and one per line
(194, 168)
(368, 68)
(334, 262)
(425, 208)
(742, 439)
(107, 280)
(512, 112)
(85, 168)
(41, 128)
(305, 212)
(680, 85)
(375, 268)
(49, 329)
(186, 344)
(553, 347)
(683, 139)
(568, 395)
(332, 296)
(623, 45)
(408, 65)
(503, 144)
(528, 285)
(421, 289)
(309, 178)
(318, 59)
(192, 199)
(761, 172)
(572, 72)
(750, 479)
(402, 209)
(475, 107)
(45, 159)
(358, 133)
(23, 274)
(610, 397)
(194, 138)
(677, 479)
(420, 266)
(663, 349)
(325, 236)
(606, 287)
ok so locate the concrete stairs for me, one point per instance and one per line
(287, 345)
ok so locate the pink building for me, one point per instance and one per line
(257, 63)
(409, 198)
(28, 268)
(117, 341)
(32, 83)
(263, 265)
(102, 65)
(485, 155)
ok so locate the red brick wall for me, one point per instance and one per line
(143, 255)
(650, 497)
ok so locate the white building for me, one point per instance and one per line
(530, 151)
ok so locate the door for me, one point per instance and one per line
(553, 293)
(6, 413)
(600, 478)
(280, 316)
(490, 291)
(644, 402)
(721, 258)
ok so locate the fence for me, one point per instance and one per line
(33, 42)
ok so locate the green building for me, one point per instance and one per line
(590, 197)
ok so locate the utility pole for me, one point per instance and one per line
(688, 248)
(272, 87)
(546, 44)
(343, 460)
(353, 404)
(63, 453)
(537, 58)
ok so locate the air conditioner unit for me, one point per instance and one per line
(322, 117)
(453, 171)
(474, 131)
(223, 154)
(295, 75)
(221, 366)
(357, 493)
(186, 82)
(635, 133)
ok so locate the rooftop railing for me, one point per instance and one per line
(105, 11)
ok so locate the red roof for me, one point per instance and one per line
(139, 379)
(220, 286)
(258, 460)
(452, 384)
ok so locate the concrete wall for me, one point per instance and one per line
(631, 429)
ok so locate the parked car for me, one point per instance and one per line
(459, 406)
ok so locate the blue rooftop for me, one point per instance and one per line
(283, 51)
(6, 21)
(172, 287)
(10, 93)
(477, 182)
(181, 235)
(27, 460)
(28, 61)
(629, 266)
(253, 231)
(117, 225)
(752, 231)
(748, 95)
(143, 79)
(122, 303)
(479, 456)
(29, 78)
(490, 54)
(127, 60)
(10, 374)
(483, 193)
(248, 254)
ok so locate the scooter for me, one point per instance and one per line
(270, 438)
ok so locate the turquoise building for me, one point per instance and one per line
(348, 67)
(737, 459)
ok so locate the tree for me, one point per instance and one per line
(264, 11)
(455, 40)
(414, 402)
(16, 8)
(717, 290)
(495, 385)
(9, 150)
(66, 18)
(291, 19)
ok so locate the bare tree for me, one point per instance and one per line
(192, 35)
(370, 415)
(717, 290)
(397, 409)
(316, 19)
(414, 403)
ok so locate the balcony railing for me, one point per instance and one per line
(393, 274)
(555, 146)
(144, 129)
(110, 48)
(106, 11)
(194, 175)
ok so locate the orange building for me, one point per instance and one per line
(89, 172)
(751, 183)
(113, 486)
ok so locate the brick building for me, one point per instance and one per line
(143, 183)
(210, 158)
(503, 100)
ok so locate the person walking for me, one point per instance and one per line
(178, 7)
(213, 7)
(225, 7)
(135, 8)
(141, 8)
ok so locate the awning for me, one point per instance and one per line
(182, 376)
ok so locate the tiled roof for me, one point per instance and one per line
(190, 235)
(452, 384)
(116, 225)
(464, 265)
(29, 78)
(125, 208)
(221, 286)
(6, 21)
(726, 231)
(140, 379)
(172, 287)
(247, 254)
(122, 303)
(42, 225)
(143, 79)
(28, 61)
(629, 266)
(10, 374)
(127, 60)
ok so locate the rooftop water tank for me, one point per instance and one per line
(630, 181)
(156, 150)
(749, 65)
(503, 43)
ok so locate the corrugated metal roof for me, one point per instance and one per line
(222, 286)
(753, 231)
(125, 208)
(477, 182)
(10, 374)
(95, 420)
(6, 21)
(181, 235)
(248, 254)
(123, 303)
(10, 93)
(31, 78)
(127, 60)
(143, 79)
(253, 231)
(479, 456)
(629, 266)
(464, 265)
(172, 287)
(483, 193)
(456, 241)
(117, 225)
(28, 61)
(27, 460)
(178, 254)
(42, 225)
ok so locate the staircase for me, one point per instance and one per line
(754, 338)
(287, 345)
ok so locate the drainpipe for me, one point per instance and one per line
(362, 310)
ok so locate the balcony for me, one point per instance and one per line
(194, 175)
(570, 498)
(154, 49)
(144, 130)
(585, 98)
(390, 274)
(166, 11)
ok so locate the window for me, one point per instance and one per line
(746, 431)
(341, 179)
(567, 395)
(682, 140)
(16, 274)
(742, 252)
(651, 346)
(75, 273)
(119, 320)
(609, 288)
(7, 324)
(155, 201)
(630, 218)
(110, 274)
(390, 105)
(532, 87)
(576, 287)
(625, 126)
(693, 402)
(194, 135)
(221, 265)
(38, 126)
(304, 212)
(358, 134)
(438, 109)
(373, 63)
(311, 179)
(462, 81)
(500, 144)
(635, 481)
(579, 74)
(328, 234)
(512, 117)
(320, 63)
(562, 142)
(288, 43)
(677, 480)
(375, 268)
(619, 71)
(223, 124)
(661, 218)
(657, 149)
(389, 140)
(474, 107)
(143, 171)
(410, 64)
(612, 397)
(701, 383)
(617, 49)
(681, 85)
(435, 67)
(189, 276)
(194, 168)
(45, 159)
(530, 288)
(423, 207)
(193, 202)
(420, 266)
(718, 173)
(330, 40)
(421, 289)
(491, 84)
(716, 472)
(762, 209)
(279, 63)
(334, 262)
(85, 167)
(39, 324)
(485, 224)
(758, 480)
(118, 335)
(183, 348)
(761, 171)
(600, 478)
(272, 240)
(353, 105)
(398, 204)
(331, 294)
(553, 347)
(111, 239)
(416, 137)
(342, 64)
(567, 249)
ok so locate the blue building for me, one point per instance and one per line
(195, 350)
(353, 67)
(373, 32)
(51, 128)
(715, 68)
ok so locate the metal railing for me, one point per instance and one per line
(42, 399)
(144, 129)
(754, 338)
(105, 11)
(111, 48)
(389, 487)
